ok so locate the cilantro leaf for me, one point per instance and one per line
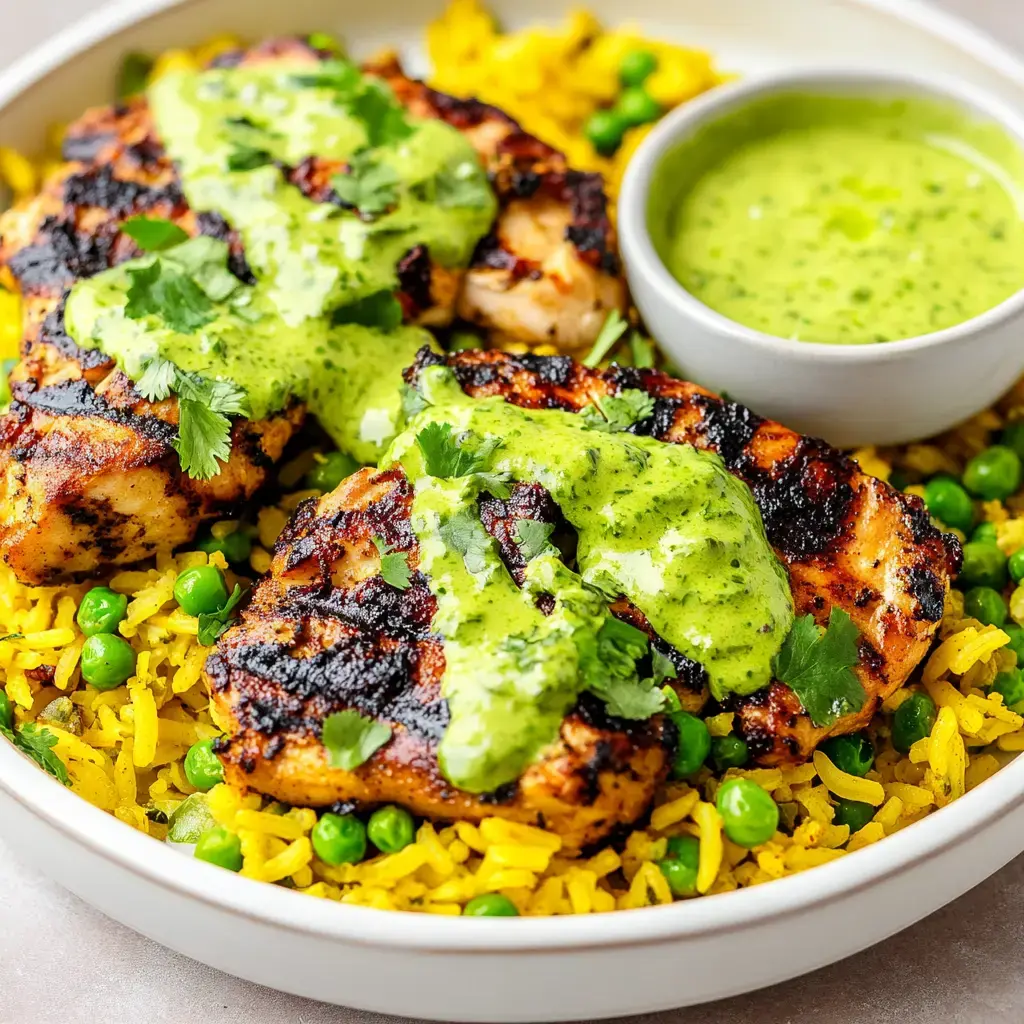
(613, 676)
(664, 667)
(247, 158)
(213, 624)
(381, 309)
(11, 636)
(634, 698)
(413, 403)
(205, 260)
(383, 118)
(604, 584)
(371, 187)
(133, 74)
(532, 537)
(817, 666)
(352, 739)
(615, 413)
(612, 330)
(157, 379)
(340, 75)
(163, 290)
(462, 185)
(447, 455)
(153, 234)
(203, 439)
(37, 742)
(394, 565)
(464, 533)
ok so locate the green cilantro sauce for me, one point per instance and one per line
(321, 323)
(844, 219)
(666, 525)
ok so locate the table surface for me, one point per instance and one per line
(959, 965)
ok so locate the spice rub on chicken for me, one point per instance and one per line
(89, 472)
(325, 632)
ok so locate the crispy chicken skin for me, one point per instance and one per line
(88, 474)
(324, 632)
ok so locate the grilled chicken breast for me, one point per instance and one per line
(89, 476)
(324, 632)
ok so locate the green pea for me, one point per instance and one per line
(985, 532)
(490, 904)
(984, 565)
(1011, 686)
(604, 129)
(636, 106)
(391, 829)
(637, 66)
(100, 611)
(986, 605)
(913, 721)
(107, 661)
(694, 744)
(330, 470)
(1015, 563)
(201, 591)
(202, 766)
(852, 754)
(1013, 437)
(221, 847)
(680, 865)
(948, 502)
(235, 547)
(749, 815)
(6, 712)
(993, 474)
(1016, 644)
(339, 839)
(853, 813)
(728, 752)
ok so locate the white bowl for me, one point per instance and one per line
(885, 393)
(526, 969)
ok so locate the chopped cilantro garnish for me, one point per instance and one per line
(204, 430)
(605, 584)
(33, 740)
(212, 624)
(133, 74)
(464, 533)
(370, 186)
(247, 158)
(163, 290)
(642, 350)
(413, 403)
(448, 455)
(817, 666)
(381, 310)
(615, 413)
(608, 337)
(533, 537)
(352, 739)
(613, 676)
(376, 107)
(394, 565)
(664, 667)
(154, 234)
(341, 76)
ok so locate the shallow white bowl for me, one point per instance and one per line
(886, 393)
(527, 969)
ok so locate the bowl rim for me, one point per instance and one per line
(80, 823)
(641, 258)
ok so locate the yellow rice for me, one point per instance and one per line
(124, 749)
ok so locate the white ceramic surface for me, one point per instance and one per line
(524, 969)
(851, 395)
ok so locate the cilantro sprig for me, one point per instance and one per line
(394, 565)
(370, 186)
(817, 666)
(154, 234)
(204, 429)
(533, 538)
(33, 740)
(448, 455)
(351, 739)
(615, 413)
(213, 624)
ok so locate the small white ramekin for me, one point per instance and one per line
(884, 393)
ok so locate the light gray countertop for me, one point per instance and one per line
(63, 962)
